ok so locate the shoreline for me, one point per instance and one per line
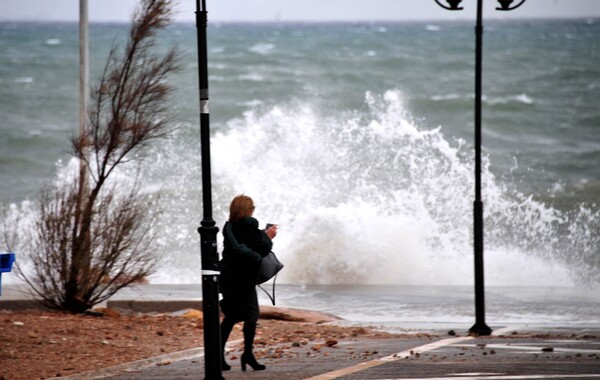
(389, 307)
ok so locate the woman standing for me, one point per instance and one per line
(244, 247)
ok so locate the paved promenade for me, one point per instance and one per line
(511, 353)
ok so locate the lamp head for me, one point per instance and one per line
(505, 4)
(454, 4)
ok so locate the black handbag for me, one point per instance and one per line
(268, 268)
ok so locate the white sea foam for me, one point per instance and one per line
(262, 49)
(53, 41)
(23, 80)
(251, 77)
(446, 97)
(367, 198)
(521, 98)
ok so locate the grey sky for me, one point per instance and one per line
(295, 10)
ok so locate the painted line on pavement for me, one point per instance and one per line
(533, 348)
(506, 377)
(400, 355)
(505, 330)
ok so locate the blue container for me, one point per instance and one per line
(6, 261)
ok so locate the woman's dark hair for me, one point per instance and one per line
(241, 207)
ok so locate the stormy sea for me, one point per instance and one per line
(357, 140)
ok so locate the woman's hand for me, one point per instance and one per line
(271, 231)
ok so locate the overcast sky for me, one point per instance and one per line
(295, 10)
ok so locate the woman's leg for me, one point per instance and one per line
(226, 327)
(249, 333)
(248, 355)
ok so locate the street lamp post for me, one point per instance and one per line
(480, 327)
(208, 230)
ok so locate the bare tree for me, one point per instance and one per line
(90, 242)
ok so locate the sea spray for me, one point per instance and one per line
(372, 198)
(367, 197)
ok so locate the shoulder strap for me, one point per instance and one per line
(271, 298)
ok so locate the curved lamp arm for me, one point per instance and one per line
(453, 5)
(505, 5)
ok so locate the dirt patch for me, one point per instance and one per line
(44, 344)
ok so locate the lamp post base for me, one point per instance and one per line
(480, 329)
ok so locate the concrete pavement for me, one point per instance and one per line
(511, 353)
(515, 352)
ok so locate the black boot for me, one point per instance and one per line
(226, 327)
(248, 356)
(251, 361)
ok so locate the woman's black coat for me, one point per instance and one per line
(244, 247)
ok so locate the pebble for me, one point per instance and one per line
(331, 342)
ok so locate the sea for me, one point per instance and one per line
(357, 139)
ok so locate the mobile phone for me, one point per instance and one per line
(269, 225)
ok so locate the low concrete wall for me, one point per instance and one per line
(21, 305)
(142, 306)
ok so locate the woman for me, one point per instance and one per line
(244, 247)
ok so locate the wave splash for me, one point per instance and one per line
(371, 198)
(365, 197)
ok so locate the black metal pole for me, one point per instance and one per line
(208, 231)
(480, 327)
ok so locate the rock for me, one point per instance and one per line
(452, 333)
(296, 315)
(331, 342)
(193, 314)
(94, 313)
(106, 312)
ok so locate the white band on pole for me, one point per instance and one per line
(204, 106)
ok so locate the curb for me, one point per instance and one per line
(22, 305)
(142, 306)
